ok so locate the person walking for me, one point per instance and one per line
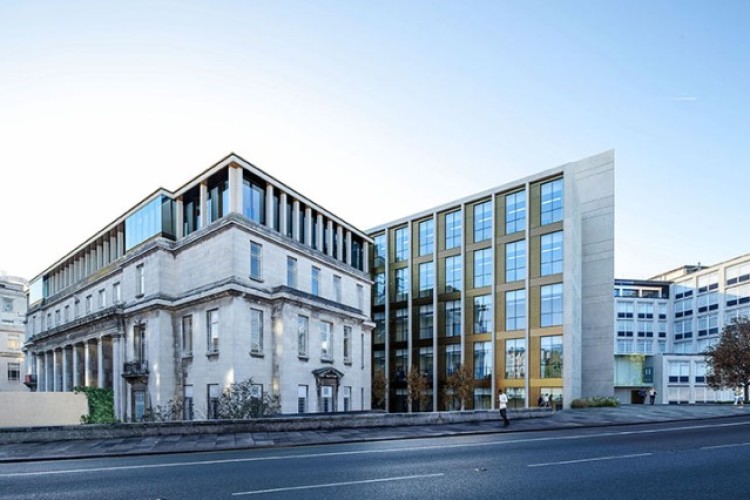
(502, 404)
(651, 395)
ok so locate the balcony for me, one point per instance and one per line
(30, 382)
(135, 372)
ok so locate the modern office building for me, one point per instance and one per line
(12, 332)
(642, 326)
(514, 282)
(233, 276)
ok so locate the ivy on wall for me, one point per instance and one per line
(101, 405)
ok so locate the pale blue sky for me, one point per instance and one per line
(103, 102)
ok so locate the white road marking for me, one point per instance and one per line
(718, 446)
(368, 452)
(596, 459)
(332, 485)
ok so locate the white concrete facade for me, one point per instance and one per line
(223, 274)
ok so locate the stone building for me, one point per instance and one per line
(234, 275)
(12, 332)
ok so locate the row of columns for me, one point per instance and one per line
(344, 237)
(106, 249)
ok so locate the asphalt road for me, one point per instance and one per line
(696, 459)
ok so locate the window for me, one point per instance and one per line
(337, 288)
(76, 308)
(57, 317)
(256, 256)
(453, 272)
(187, 403)
(426, 279)
(347, 398)
(645, 329)
(102, 299)
(552, 305)
(347, 344)
(515, 310)
(453, 230)
(256, 331)
(301, 399)
(679, 372)
(14, 372)
(425, 321)
(140, 347)
(625, 309)
(426, 237)
(116, 293)
(552, 253)
(140, 284)
(515, 212)
(379, 286)
(708, 325)
(482, 360)
(89, 307)
(66, 314)
(7, 304)
(378, 361)
(379, 332)
(453, 318)
(401, 325)
(402, 284)
(482, 221)
(482, 398)
(452, 358)
(551, 352)
(212, 330)
(482, 314)
(360, 297)
(326, 399)
(402, 360)
(515, 358)
(738, 273)
(425, 361)
(14, 342)
(708, 282)
(254, 201)
(326, 341)
(625, 328)
(402, 244)
(379, 251)
(212, 395)
(645, 310)
(515, 261)
(482, 268)
(315, 281)
(303, 330)
(291, 272)
(187, 335)
(552, 201)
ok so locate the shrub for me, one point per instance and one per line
(595, 402)
(101, 405)
(241, 401)
(579, 403)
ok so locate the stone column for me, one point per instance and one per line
(179, 214)
(100, 363)
(117, 381)
(65, 370)
(295, 220)
(76, 369)
(329, 227)
(366, 260)
(87, 376)
(348, 247)
(282, 214)
(308, 226)
(203, 204)
(269, 206)
(340, 247)
(105, 251)
(38, 358)
(319, 236)
(120, 242)
(55, 372)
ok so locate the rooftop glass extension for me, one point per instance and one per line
(154, 218)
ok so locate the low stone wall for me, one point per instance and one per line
(33, 409)
(273, 424)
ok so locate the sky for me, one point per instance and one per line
(376, 110)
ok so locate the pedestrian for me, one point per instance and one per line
(546, 400)
(651, 395)
(502, 404)
(738, 400)
(540, 401)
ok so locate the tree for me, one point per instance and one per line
(243, 400)
(728, 361)
(379, 388)
(459, 385)
(416, 388)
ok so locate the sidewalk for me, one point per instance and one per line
(590, 417)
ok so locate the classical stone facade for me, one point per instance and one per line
(233, 276)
